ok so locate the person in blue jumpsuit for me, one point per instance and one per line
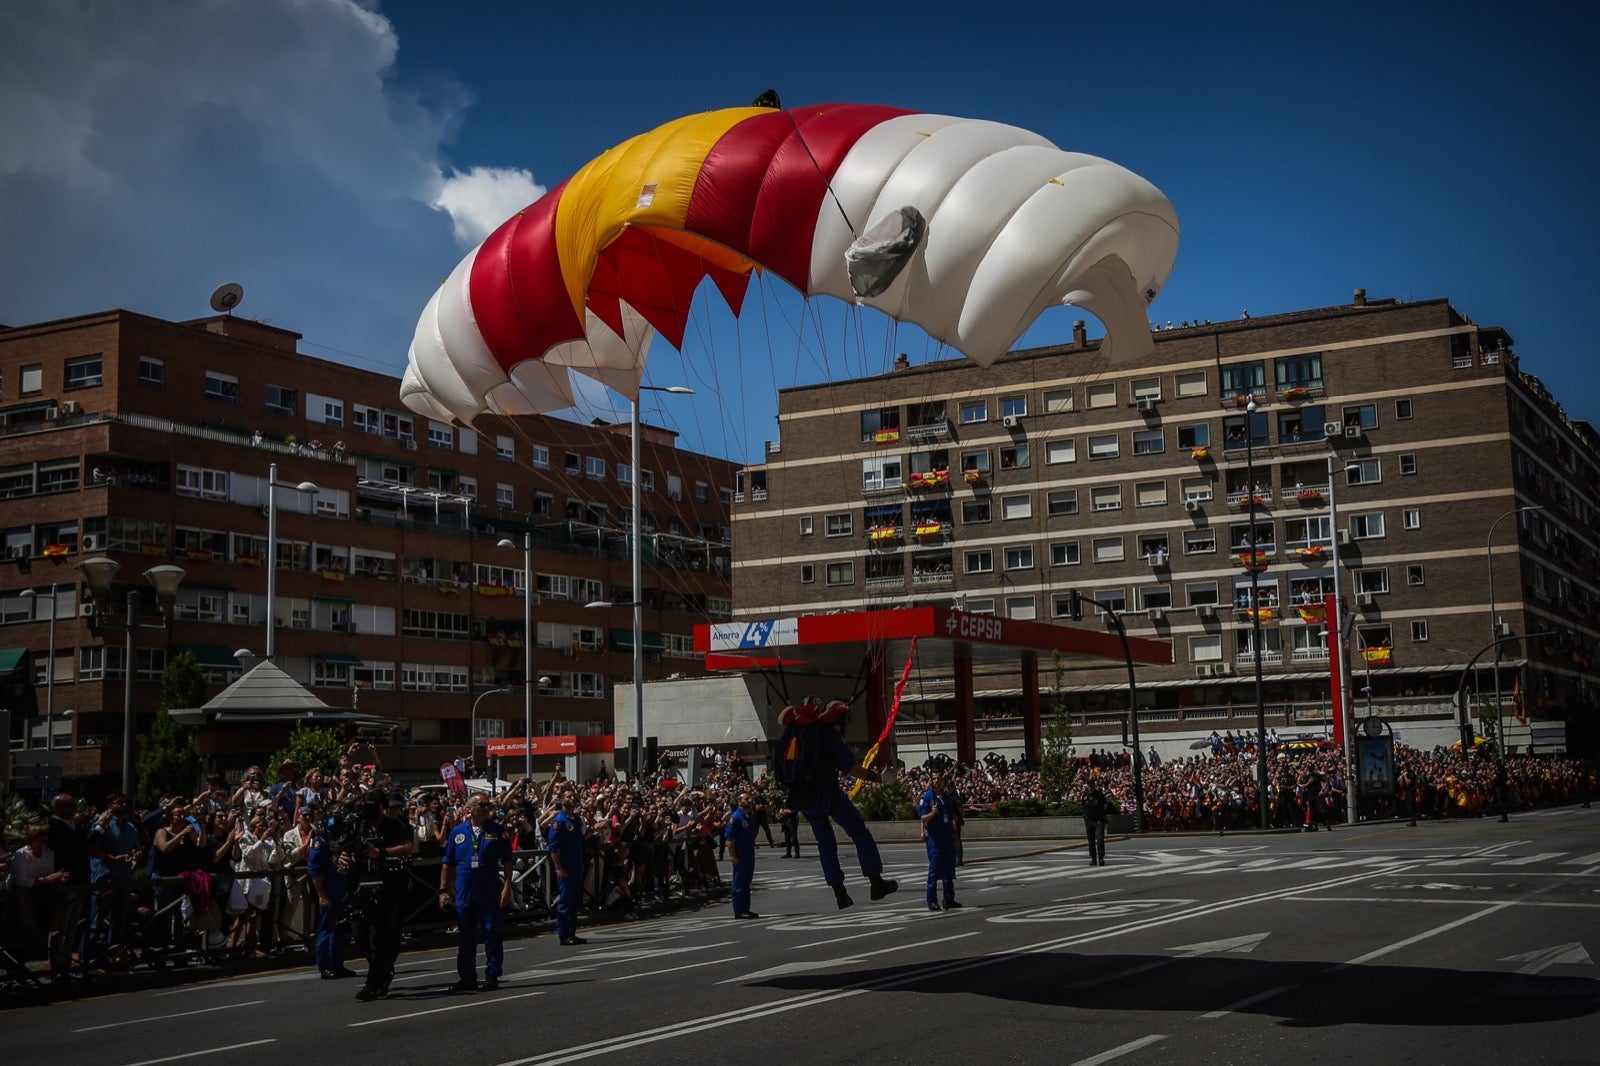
(740, 833)
(811, 755)
(332, 887)
(566, 855)
(935, 809)
(477, 859)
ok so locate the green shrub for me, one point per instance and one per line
(882, 803)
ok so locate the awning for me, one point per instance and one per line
(338, 658)
(210, 655)
(623, 639)
(26, 408)
(323, 598)
(10, 658)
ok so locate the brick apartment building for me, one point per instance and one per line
(150, 442)
(1398, 434)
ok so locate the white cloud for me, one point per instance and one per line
(479, 200)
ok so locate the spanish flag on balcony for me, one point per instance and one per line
(199, 555)
(886, 436)
(1516, 701)
(1198, 454)
(493, 590)
(1312, 614)
(929, 529)
(1378, 656)
(151, 548)
(332, 575)
(247, 560)
(1253, 560)
(1314, 551)
(56, 549)
(1262, 614)
(883, 533)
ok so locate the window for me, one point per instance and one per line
(1199, 541)
(807, 526)
(544, 503)
(1365, 415)
(702, 492)
(881, 473)
(840, 525)
(1104, 446)
(1243, 379)
(1150, 494)
(647, 481)
(1200, 594)
(1154, 596)
(1106, 498)
(1145, 389)
(1061, 502)
(1057, 401)
(1064, 553)
(980, 561)
(1207, 649)
(1020, 607)
(624, 474)
(1196, 488)
(1419, 631)
(1372, 581)
(441, 435)
(224, 387)
(1298, 371)
(976, 462)
(1147, 442)
(1016, 507)
(282, 400)
(1366, 526)
(1108, 549)
(83, 372)
(1015, 458)
(1013, 406)
(884, 421)
(152, 373)
(332, 414)
(1414, 574)
(841, 573)
(32, 379)
(1402, 409)
(595, 468)
(1363, 472)
(808, 574)
(504, 449)
(505, 497)
(1411, 518)
(1191, 437)
(1103, 394)
(1019, 558)
(974, 511)
(1112, 599)
(974, 411)
(468, 487)
(1189, 383)
(1408, 463)
(200, 481)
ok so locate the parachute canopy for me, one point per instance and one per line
(986, 225)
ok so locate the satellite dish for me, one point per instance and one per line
(227, 297)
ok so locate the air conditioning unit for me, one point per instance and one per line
(411, 445)
(1192, 506)
(1157, 559)
(1205, 670)
(91, 542)
(1223, 669)
(1333, 429)
(653, 656)
(1158, 614)
(71, 407)
(279, 622)
(1145, 403)
(1011, 421)
(1503, 629)
(1352, 432)
(1206, 610)
(1366, 599)
(1344, 538)
(86, 610)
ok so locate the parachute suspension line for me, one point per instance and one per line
(827, 182)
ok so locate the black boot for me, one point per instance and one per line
(842, 897)
(882, 887)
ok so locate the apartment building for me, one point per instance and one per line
(151, 442)
(1408, 441)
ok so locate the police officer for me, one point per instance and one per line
(789, 823)
(477, 861)
(740, 833)
(1096, 813)
(332, 887)
(939, 834)
(384, 918)
(566, 855)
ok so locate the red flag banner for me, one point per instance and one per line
(894, 709)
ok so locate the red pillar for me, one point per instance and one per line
(966, 732)
(1031, 746)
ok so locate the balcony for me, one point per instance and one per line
(935, 579)
(1268, 658)
(928, 431)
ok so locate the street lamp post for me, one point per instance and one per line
(1255, 608)
(636, 550)
(472, 736)
(98, 572)
(49, 674)
(1494, 625)
(527, 647)
(273, 485)
(1341, 675)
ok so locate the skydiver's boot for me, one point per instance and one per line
(882, 887)
(842, 897)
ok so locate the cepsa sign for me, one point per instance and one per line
(975, 626)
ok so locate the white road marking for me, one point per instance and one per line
(1560, 955)
(1132, 971)
(675, 969)
(1118, 1052)
(1408, 941)
(1526, 860)
(841, 960)
(1249, 1001)
(168, 1017)
(1236, 945)
(207, 1051)
(1591, 859)
(440, 1010)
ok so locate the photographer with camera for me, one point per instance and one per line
(477, 863)
(386, 848)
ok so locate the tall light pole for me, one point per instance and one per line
(49, 675)
(1341, 674)
(98, 572)
(1255, 607)
(636, 751)
(472, 727)
(273, 485)
(527, 647)
(1494, 625)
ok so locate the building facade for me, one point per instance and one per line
(1401, 438)
(150, 442)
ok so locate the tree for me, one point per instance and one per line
(1056, 767)
(168, 763)
(310, 747)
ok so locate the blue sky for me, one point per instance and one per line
(337, 159)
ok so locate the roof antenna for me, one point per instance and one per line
(227, 297)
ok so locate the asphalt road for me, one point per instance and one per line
(1453, 943)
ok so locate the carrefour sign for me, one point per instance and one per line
(767, 633)
(989, 627)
